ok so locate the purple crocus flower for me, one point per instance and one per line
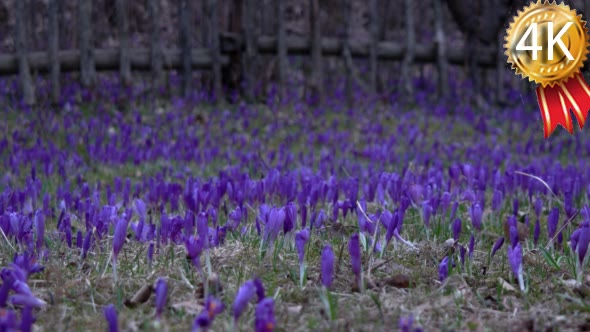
(327, 266)
(443, 269)
(161, 296)
(246, 292)
(213, 307)
(406, 325)
(265, 318)
(456, 229)
(276, 218)
(476, 216)
(513, 232)
(194, 248)
(301, 239)
(471, 245)
(497, 199)
(497, 245)
(552, 222)
(354, 248)
(27, 320)
(110, 313)
(462, 253)
(259, 289)
(515, 260)
(118, 241)
(290, 217)
(580, 239)
(538, 206)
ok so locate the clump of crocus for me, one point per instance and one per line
(443, 269)
(301, 239)
(119, 237)
(161, 296)
(265, 318)
(110, 313)
(354, 248)
(515, 260)
(213, 307)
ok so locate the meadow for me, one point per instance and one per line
(129, 211)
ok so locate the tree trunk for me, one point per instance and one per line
(125, 69)
(373, 62)
(282, 49)
(24, 73)
(249, 63)
(441, 59)
(53, 37)
(410, 47)
(87, 70)
(155, 45)
(215, 51)
(317, 79)
(185, 45)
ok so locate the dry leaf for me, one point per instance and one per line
(505, 285)
(142, 295)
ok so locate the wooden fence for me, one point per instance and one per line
(226, 47)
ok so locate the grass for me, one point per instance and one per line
(481, 297)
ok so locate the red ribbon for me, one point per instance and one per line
(557, 101)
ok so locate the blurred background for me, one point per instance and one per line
(288, 49)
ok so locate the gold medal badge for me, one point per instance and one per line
(548, 44)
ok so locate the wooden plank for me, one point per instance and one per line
(441, 56)
(87, 69)
(317, 77)
(185, 45)
(54, 64)
(156, 61)
(283, 65)
(410, 48)
(123, 27)
(346, 7)
(24, 73)
(374, 30)
(249, 60)
(108, 59)
(215, 51)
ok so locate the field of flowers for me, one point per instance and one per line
(171, 214)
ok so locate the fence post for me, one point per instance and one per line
(185, 45)
(441, 50)
(21, 52)
(250, 43)
(282, 49)
(346, 4)
(500, 70)
(155, 44)
(54, 50)
(374, 30)
(410, 46)
(87, 70)
(215, 52)
(125, 65)
(317, 80)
